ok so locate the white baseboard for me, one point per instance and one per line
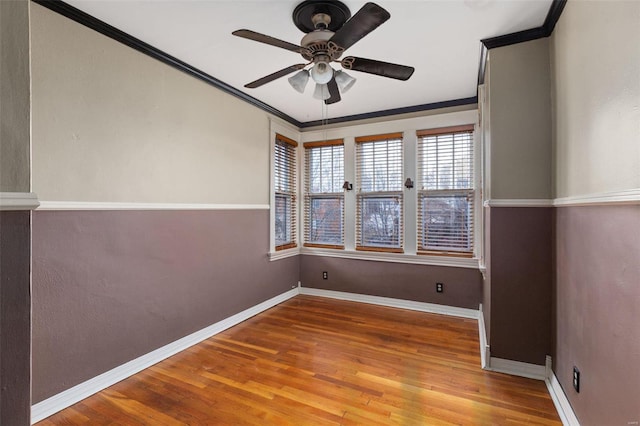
(567, 416)
(517, 368)
(394, 303)
(79, 392)
(484, 348)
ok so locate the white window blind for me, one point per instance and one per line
(379, 172)
(324, 196)
(285, 192)
(446, 191)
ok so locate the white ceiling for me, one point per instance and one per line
(441, 39)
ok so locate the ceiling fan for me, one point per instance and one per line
(330, 30)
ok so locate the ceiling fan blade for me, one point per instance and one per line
(367, 19)
(252, 35)
(385, 69)
(333, 92)
(276, 75)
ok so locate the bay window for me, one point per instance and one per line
(384, 191)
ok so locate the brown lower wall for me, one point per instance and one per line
(463, 287)
(597, 311)
(520, 268)
(15, 318)
(110, 286)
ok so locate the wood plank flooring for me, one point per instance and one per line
(316, 361)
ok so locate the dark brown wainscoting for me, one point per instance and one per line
(463, 287)
(597, 311)
(15, 318)
(110, 286)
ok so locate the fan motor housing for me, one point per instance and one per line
(303, 14)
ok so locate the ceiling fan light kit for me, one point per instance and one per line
(322, 72)
(321, 92)
(330, 31)
(299, 80)
(344, 80)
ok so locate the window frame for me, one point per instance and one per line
(309, 196)
(470, 192)
(362, 196)
(291, 196)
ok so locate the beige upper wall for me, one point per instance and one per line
(113, 125)
(519, 89)
(595, 58)
(14, 96)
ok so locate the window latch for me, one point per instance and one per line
(408, 183)
(348, 186)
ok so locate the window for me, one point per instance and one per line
(323, 195)
(445, 191)
(285, 192)
(379, 172)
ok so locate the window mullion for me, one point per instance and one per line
(350, 196)
(410, 197)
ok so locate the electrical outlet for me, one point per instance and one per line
(439, 287)
(576, 379)
(325, 275)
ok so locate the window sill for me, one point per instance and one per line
(283, 254)
(457, 262)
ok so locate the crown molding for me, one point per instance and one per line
(392, 112)
(102, 27)
(545, 30)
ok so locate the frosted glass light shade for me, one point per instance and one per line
(321, 92)
(344, 80)
(321, 73)
(299, 80)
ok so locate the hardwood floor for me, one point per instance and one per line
(316, 361)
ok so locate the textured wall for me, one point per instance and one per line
(111, 124)
(597, 300)
(463, 287)
(14, 96)
(595, 58)
(110, 286)
(519, 88)
(597, 150)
